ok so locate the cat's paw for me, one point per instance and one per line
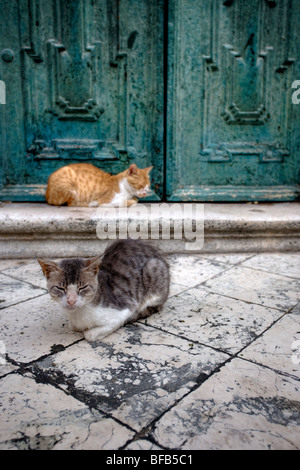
(93, 204)
(95, 334)
(90, 335)
(131, 202)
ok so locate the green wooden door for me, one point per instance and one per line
(233, 130)
(84, 82)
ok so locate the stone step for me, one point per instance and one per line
(38, 230)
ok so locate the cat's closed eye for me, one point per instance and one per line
(130, 280)
(58, 290)
(85, 289)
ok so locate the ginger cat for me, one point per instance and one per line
(83, 184)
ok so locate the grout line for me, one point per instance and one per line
(38, 374)
(23, 301)
(150, 427)
(22, 280)
(272, 273)
(276, 371)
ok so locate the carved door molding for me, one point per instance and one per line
(230, 110)
(87, 85)
(85, 81)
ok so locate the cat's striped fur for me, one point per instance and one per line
(83, 184)
(101, 294)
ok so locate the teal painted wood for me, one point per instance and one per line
(85, 83)
(233, 131)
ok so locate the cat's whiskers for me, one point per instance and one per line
(108, 291)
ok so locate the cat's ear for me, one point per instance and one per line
(48, 266)
(148, 169)
(132, 170)
(93, 264)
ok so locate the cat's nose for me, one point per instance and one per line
(71, 301)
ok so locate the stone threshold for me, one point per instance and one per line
(29, 230)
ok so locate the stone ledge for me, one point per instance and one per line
(36, 229)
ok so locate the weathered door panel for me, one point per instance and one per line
(233, 131)
(85, 84)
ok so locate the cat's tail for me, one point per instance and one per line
(61, 187)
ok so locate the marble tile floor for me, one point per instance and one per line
(217, 368)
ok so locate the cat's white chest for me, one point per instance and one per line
(120, 199)
(92, 316)
(83, 318)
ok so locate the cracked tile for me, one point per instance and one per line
(30, 272)
(227, 258)
(296, 309)
(244, 406)
(39, 416)
(173, 360)
(135, 373)
(11, 263)
(14, 291)
(251, 285)
(286, 264)
(176, 289)
(6, 368)
(31, 329)
(190, 270)
(275, 347)
(212, 319)
(142, 444)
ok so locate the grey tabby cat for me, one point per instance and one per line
(99, 295)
